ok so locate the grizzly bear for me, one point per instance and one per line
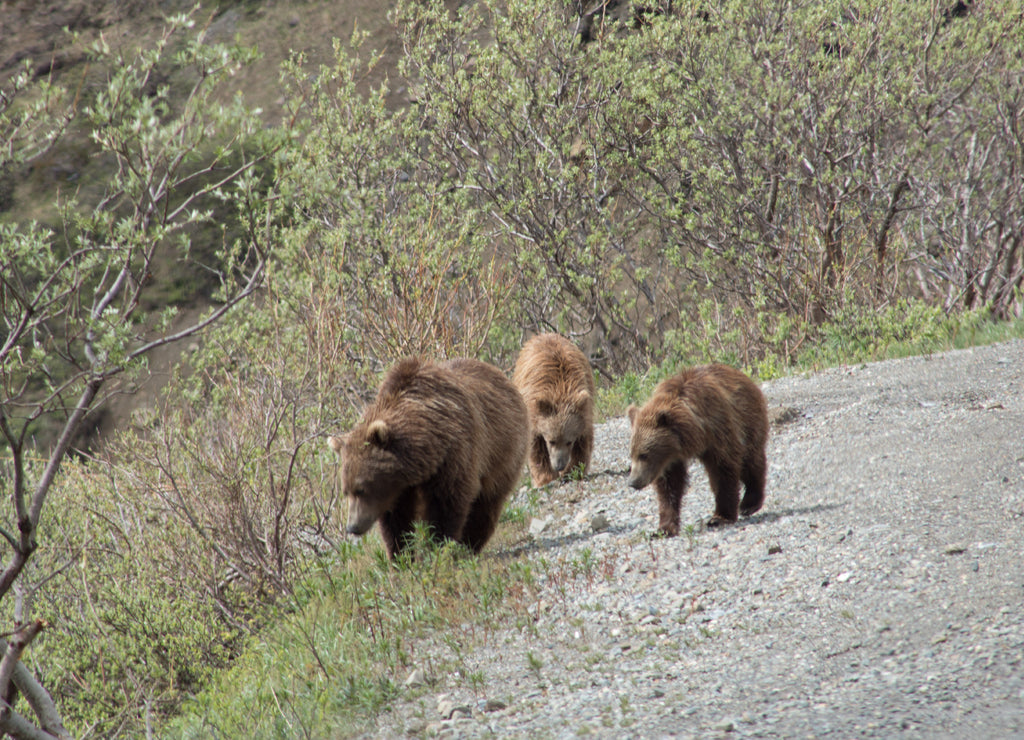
(716, 414)
(442, 443)
(558, 386)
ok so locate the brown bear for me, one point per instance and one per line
(558, 386)
(716, 414)
(442, 443)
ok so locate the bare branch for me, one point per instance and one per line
(13, 673)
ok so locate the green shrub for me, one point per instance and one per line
(131, 631)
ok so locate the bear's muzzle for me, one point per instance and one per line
(637, 480)
(360, 517)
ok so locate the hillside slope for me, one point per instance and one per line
(878, 594)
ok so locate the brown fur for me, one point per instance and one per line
(714, 413)
(557, 384)
(442, 443)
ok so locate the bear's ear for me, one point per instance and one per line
(545, 407)
(580, 400)
(378, 433)
(631, 413)
(336, 443)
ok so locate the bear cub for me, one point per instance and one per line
(713, 413)
(557, 384)
(441, 443)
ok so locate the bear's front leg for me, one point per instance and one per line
(396, 526)
(671, 486)
(540, 464)
(448, 500)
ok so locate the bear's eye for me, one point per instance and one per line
(642, 457)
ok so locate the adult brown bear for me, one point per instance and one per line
(713, 413)
(442, 443)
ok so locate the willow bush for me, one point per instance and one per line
(780, 162)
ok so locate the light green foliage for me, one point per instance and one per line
(133, 629)
(752, 157)
(82, 308)
(534, 662)
(400, 264)
(33, 115)
(717, 185)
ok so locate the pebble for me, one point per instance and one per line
(538, 525)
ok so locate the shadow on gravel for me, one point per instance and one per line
(766, 517)
(540, 544)
(552, 543)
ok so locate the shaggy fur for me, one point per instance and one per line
(557, 384)
(442, 443)
(713, 413)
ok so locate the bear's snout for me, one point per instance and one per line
(637, 479)
(560, 457)
(360, 517)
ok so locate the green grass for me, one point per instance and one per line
(341, 654)
(858, 335)
(904, 330)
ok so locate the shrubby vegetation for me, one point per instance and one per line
(753, 182)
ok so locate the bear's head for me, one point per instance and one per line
(661, 434)
(561, 424)
(372, 473)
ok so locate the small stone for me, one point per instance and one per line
(416, 728)
(955, 549)
(448, 709)
(778, 415)
(844, 577)
(494, 705)
(416, 678)
(599, 522)
(725, 725)
(774, 548)
(538, 525)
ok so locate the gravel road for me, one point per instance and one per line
(879, 593)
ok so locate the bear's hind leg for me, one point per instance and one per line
(480, 525)
(447, 504)
(754, 475)
(725, 484)
(670, 487)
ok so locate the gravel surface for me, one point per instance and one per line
(877, 594)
